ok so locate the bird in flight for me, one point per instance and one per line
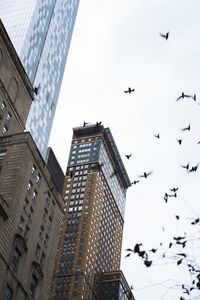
(174, 190)
(98, 124)
(157, 136)
(186, 166)
(128, 155)
(130, 90)
(194, 169)
(183, 95)
(84, 124)
(135, 182)
(186, 128)
(145, 175)
(194, 97)
(179, 141)
(165, 35)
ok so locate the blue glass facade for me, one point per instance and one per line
(41, 32)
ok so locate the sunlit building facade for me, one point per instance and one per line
(92, 228)
(41, 33)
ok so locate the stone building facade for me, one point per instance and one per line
(31, 207)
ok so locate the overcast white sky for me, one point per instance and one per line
(116, 44)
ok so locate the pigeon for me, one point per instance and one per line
(165, 35)
(129, 90)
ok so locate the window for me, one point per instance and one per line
(8, 293)
(42, 259)
(49, 222)
(8, 117)
(2, 155)
(33, 286)
(37, 251)
(3, 105)
(33, 169)
(41, 232)
(21, 223)
(45, 214)
(34, 195)
(29, 186)
(4, 129)
(26, 232)
(15, 259)
(30, 215)
(38, 178)
(25, 204)
(46, 240)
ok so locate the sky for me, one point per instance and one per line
(116, 44)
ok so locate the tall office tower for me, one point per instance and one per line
(41, 32)
(91, 234)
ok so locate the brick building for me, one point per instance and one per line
(31, 207)
(91, 238)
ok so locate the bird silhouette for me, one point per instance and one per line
(98, 124)
(135, 182)
(165, 35)
(194, 169)
(179, 141)
(195, 221)
(36, 89)
(186, 128)
(85, 123)
(183, 95)
(157, 136)
(194, 97)
(165, 197)
(130, 90)
(147, 263)
(186, 166)
(127, 255)
(145, 175)
(128, 155)
(174, 190)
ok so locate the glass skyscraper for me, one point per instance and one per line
(41, 31)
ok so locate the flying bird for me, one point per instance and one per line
(194, 169)
(135, 182)
(165, 35)
(145, 175)
(186, 128)
(183, 95)
(98, 124)
(186, 167)
(130, 90)
(194, 97)
(36, 89)
(128, 155)
(174, 190)
(84, 124)
(147, 263)
(179, 141)
(157, 136)
(127, 255)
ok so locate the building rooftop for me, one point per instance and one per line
(95, 129)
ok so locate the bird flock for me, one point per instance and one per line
(180, 245)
